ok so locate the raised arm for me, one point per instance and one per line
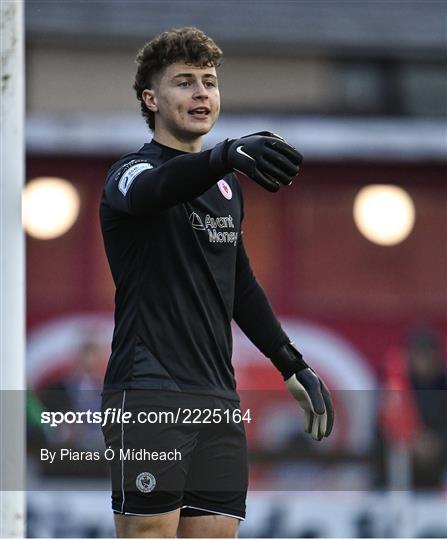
(138, 187)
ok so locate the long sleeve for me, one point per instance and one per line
(138, 186)
(252, 310)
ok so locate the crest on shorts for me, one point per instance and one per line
(145, 482)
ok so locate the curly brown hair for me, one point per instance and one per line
(189, 45)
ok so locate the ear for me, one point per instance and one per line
(150, 100)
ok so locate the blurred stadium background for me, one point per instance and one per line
(360, 88)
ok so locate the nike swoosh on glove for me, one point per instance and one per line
(264, 157)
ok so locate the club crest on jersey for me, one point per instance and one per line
(146, 482)
(225, 189)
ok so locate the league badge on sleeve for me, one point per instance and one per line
(225, 189)
(129, 172)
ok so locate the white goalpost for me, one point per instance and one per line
(12, 273)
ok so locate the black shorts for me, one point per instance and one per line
(175, 450)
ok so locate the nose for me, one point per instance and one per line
(200, 92)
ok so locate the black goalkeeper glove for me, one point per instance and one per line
(264, 157)
(308, 389)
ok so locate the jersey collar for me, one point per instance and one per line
(167, 150)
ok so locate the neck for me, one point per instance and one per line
(179, 143)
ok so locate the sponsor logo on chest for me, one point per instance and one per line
(218, 228)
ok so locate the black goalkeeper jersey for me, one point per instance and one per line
(172, 233)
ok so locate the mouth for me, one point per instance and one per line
(200, 113)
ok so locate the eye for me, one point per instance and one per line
(183, 84)
(210, 84)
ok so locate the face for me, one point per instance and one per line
(185, 100)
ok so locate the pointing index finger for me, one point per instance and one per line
(288, 151)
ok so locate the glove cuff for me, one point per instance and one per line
(219, 158)
(288, 360)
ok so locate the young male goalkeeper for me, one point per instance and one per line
(171, 217)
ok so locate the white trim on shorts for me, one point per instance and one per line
(179, 508)
(212, 512)
(122, 461)
(148, 515)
